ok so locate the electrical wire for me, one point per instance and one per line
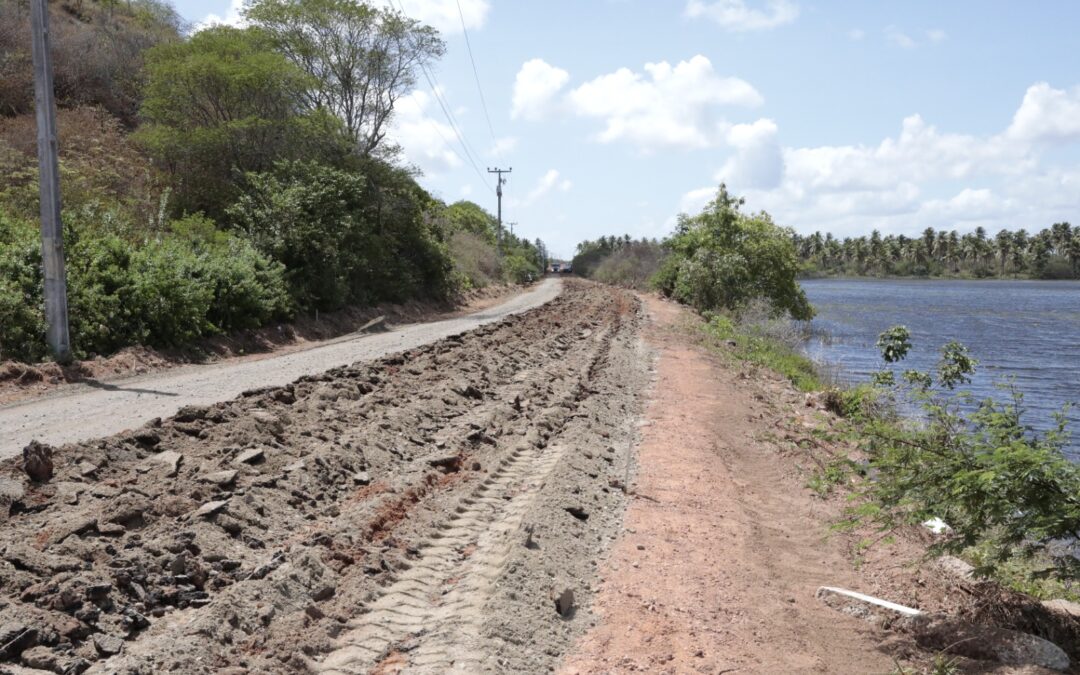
(476, 73)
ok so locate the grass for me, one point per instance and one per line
(751, 344)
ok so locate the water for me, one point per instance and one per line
(1026, 330)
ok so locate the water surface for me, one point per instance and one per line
(1026, 330)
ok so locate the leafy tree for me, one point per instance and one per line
(360, 59)
(723, 259)
(223, 103)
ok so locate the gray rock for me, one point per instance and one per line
(362, 478)
(564, 604)
(221, 478)
(952, 636)
(209, 509)
(107, 645)
(37, 462)
(11, 490)
(170, 459)
(251, 456)
(1063, 607)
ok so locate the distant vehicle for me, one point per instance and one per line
(555, 267)
(567, 269)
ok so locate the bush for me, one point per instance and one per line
(475, 259)
(358, 237)
(165, 291)
(723, 259)
(631, 266)
(1000, 486)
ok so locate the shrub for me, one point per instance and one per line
(723, 259)
(475, 259)
(1000, 486)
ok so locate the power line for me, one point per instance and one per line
(433, 83)
(476, 74)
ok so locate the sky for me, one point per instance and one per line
(833, 116)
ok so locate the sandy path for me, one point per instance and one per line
(87, 411)
(724, 548)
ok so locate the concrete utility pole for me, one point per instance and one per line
(52, 231)
(498, 191)
(512, 226)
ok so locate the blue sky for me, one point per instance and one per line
(835, 116)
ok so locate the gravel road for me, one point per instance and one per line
(100, 409)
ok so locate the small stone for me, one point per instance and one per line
(221, 478)
(564, 604)
(269, 420)
(37, 461)
(314, 612)
(266, 615)
(108, 528)
(250, 456)
(107, 645)
(147, 437)
(209, 509)
(11, 490)
(170, 459)
(324, 592)
(578, 512)
(362, 478)
(295, 466)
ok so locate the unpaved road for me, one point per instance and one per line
(91, 410)
(423, 512)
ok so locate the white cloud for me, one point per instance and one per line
(443, 14)
(667, 106)
(738, 16)
(233, 17)
(900, 38)
(535, 87)
(856, 34)
(936, 35)
(758, 162)
(424, 140)
(550, 181)
(917, 178)
(1047, 114)
(503, 146)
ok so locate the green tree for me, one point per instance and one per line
(360, 59)
(723, 259)
(223, 103)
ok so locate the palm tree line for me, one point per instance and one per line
(1052, 253)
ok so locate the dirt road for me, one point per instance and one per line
(97, 409)
(440, 509)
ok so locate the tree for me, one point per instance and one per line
(723, 259)
(224, 103)
(360, 59)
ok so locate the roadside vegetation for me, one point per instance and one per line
(228, 178)
(1008, 495)
(1052, 253)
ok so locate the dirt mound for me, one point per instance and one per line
(426, 509)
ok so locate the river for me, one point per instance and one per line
(1028, 331)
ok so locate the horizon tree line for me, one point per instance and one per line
(1051, 253)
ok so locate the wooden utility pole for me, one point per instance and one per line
(498, 191)
(52, 230)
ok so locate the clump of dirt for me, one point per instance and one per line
(19, 381)
(258, 533)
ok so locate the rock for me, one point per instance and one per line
(266, 615)
(564, 604)
(11, 490)
(952, 636)
(295, 466)
(209, 508)
(956, 567)
(220, 478)
(147, 437)
(107, 528)
(250, 456)
(170, 459)
(14, 638)
(578, 512)
(469, 391)
(191, 413)
(362, 478)
(107, 645)
(21, 554)
(47, 659)
(37, 462)
(268, 420)
(314, 612)
(323, 592)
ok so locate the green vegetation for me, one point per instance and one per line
(620, 261)
(1007, 492)
(722, 259)
(1053, 253)
(226, 179)
(767, 341)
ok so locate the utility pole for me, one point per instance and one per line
(498, 191)
(52, 230)
(512, 227)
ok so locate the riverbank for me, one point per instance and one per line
(733, 529)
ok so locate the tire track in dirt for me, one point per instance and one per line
(418, 509)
